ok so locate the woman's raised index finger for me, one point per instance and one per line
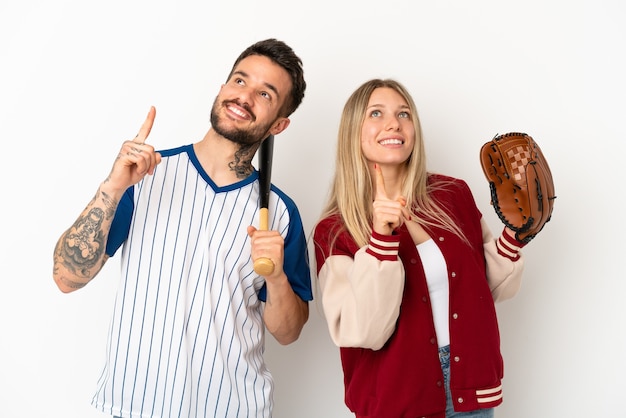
(147, 126)
(380, 182)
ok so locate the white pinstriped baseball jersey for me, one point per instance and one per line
(187, 332)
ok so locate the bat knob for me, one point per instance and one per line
(263, 266)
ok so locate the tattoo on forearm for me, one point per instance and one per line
(242, 166)
(111, 205)
(83, 244)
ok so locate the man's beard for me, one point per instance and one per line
(238, 136)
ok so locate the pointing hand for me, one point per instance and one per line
(388, 214)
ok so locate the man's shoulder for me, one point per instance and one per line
(175, 151)
(284, 197)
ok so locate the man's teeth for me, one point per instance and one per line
(237, 111)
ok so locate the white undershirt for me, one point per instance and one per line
(437, 279)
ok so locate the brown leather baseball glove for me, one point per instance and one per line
(522, 189)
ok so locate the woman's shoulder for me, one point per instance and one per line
(442, 181)
(329, 228)
(449, 189)
(329, 222)
(330, 232)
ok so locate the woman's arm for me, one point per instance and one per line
(505, 263)
(361, 296)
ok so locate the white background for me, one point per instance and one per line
(77, 78)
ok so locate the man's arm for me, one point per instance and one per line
(285, 313)
(80, 252)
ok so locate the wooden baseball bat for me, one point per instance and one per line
(264, 266)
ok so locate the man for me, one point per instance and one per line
(187, 335)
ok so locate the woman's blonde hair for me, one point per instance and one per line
(352, 191)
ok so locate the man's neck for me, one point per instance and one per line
(223, 160)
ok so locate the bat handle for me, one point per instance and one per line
(263, 266)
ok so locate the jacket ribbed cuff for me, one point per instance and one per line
(384, 247)
(508, 246)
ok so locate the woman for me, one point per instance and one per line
(409, 271)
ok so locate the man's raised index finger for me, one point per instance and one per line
(147, 126)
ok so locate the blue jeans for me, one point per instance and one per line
(444, 357)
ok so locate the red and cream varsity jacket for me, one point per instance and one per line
(377, 306)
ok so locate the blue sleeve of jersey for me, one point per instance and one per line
(121, 222)
(296, 260)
